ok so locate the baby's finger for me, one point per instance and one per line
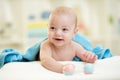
(89, 57)
(95, 57)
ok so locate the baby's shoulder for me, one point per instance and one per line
(77, 46)
(45, 44)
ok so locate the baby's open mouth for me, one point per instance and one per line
(58, 39)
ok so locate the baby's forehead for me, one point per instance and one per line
(63, 11)
(62, 15)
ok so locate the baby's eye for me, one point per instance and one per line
(52, 28)
(65, 29)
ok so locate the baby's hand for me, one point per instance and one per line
(89, 57)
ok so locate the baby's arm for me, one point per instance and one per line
(89, 57)
(85, 55)
(47, 61)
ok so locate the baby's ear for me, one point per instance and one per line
(76, 30)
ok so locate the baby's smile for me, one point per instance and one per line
(58, 39)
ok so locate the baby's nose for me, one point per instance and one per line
(58, 32)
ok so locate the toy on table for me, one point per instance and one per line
(88, 68)
(68, 69)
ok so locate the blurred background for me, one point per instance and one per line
(24, 22)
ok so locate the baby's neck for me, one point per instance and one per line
(63, 47)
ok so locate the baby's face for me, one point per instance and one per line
(61, 29)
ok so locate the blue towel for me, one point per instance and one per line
(13, 55)
(9, 55)
(101, 52)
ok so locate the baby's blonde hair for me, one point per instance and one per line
(65, 10)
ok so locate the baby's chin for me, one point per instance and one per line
(59, 44)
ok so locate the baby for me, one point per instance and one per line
(59, 46)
